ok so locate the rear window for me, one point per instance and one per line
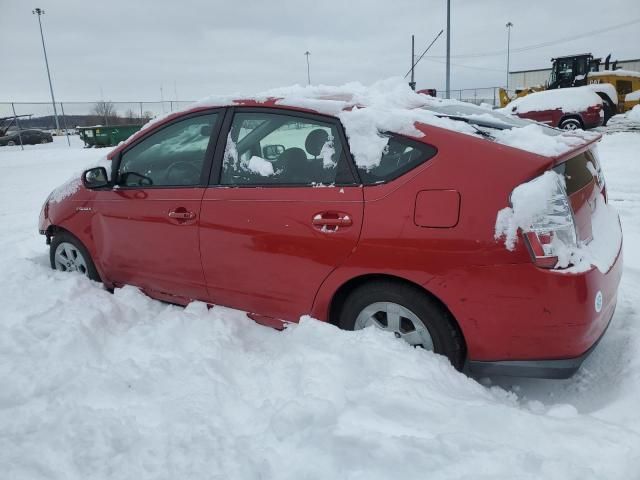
(576, 172)
(400, 155)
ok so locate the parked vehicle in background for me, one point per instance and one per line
(568, 108)
(264, 206)
(611, 84)
(29, 137)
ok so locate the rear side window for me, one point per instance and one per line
(400, 155)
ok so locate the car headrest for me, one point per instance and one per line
(294, 164)
(315, 141)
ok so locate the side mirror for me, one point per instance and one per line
(272, 152)
(95, 177)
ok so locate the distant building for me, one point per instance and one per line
(531, 78)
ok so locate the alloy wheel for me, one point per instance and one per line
(395, 318)
(68, 258)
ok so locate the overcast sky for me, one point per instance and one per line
(129, 49)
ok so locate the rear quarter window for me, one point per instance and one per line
(400, 156)
(576, 172)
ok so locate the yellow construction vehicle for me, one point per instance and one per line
(619, 89)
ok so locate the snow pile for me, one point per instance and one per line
(569, 100)
(260, 166)
(633, 96)
(542, 201)
(633, 114)
(105, 386)
(536, 138)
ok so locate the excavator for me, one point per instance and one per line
(619, 89)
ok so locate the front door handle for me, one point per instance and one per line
(181, 214)
(331, 221)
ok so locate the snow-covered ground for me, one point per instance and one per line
(95, 385)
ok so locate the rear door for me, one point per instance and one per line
(146, 227)
(283, 211)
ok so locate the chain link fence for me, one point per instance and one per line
(41, 115)
(488, 95)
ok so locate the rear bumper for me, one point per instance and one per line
(553, 369)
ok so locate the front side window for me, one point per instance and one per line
(269, 148)
(173, 156)
(399, 156)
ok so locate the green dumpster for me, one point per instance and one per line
(100, 136)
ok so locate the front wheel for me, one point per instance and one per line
(408, 313)
(67, 254)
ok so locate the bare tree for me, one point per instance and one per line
(130, 115)
(105, 110)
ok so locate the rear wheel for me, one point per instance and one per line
(11, 143)
(67, 254)
(408, 313)
(570, 124)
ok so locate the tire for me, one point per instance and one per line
(11, 143)
(72, 256)
(44, 140)
(609, 111)
(374, 296)
(570, 124)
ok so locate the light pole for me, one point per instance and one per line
(448, 48)
(508, 25)
(39, 12)
(307, 53)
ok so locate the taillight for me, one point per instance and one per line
(551, 234)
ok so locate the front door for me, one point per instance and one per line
(146, 227)
(285, 212)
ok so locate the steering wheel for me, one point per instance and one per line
(182, 173)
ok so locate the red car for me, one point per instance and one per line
(260, 207)
(568, 109)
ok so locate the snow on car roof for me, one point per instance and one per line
(391, 106)
(569, 100)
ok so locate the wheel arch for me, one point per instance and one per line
(341, 294)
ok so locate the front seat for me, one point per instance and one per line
(295, 166)
(315, 141)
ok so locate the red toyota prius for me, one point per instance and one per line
(261, 207)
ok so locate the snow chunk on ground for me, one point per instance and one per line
(260, 166)
(569, 100)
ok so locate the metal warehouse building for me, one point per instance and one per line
(531, 78)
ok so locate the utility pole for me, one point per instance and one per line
(39, 12)
(508, 25)
(307, 53)
(448, 49)
(412, 83)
